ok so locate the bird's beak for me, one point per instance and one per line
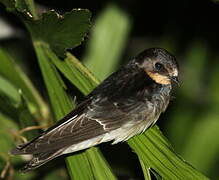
(175, 80)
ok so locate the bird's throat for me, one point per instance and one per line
(158, 78)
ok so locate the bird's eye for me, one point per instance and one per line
(159, 66)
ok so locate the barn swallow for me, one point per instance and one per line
(125, 104)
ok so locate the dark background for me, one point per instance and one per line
(190, 29)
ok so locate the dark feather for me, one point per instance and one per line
(40, 159)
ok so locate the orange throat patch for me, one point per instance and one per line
(158, 78)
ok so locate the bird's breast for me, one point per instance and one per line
(160, 99)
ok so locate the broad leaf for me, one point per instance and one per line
(60, 32)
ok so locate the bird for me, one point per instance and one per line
(125, 104)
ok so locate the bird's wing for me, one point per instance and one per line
(87, 121)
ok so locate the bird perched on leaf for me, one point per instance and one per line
(125, 104)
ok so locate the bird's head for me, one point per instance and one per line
(159, 64)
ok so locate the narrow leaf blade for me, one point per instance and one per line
(13, 73)
(107, 41)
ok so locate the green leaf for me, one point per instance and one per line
(26, 119)
(9, 99)
(146, 170)
(25, 7)
(85, 165)
(99, 165)
(107, 41)
(60, 32)
(95, 167)
(14, 106)
(9, 90)
(156, 153)
(70, 67)
(12, 72)
(6, 138)
(60, 101)
(8, 127)
(195, 149)
(213, 87)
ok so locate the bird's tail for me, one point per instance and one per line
(40, 158)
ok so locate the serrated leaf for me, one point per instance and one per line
(60, 32)
(26, 7)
